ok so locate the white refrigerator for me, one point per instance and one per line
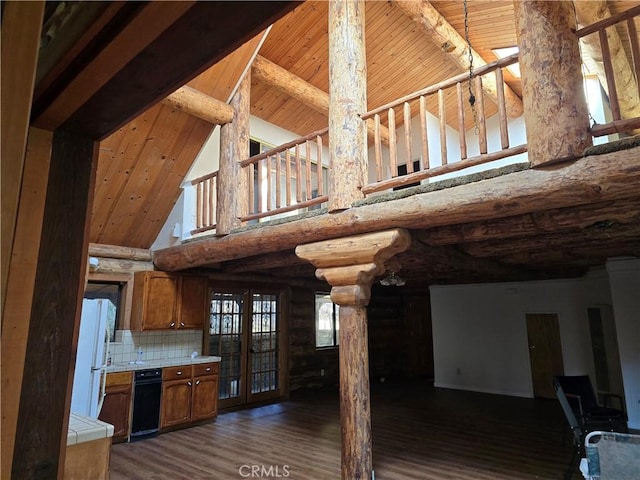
(91, 359)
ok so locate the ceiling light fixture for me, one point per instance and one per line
(392, 279)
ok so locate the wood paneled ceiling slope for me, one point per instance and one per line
(142, 164)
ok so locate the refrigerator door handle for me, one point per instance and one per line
(101, 367)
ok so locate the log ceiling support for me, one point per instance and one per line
(348, 99)
(555, 108)
(593, 179)
(627, 89)
(53, 311)
(233, 184)
(274, 75)
(350, 265)
(197, 104)
(116, 251)
(425, 15)
(21, 26)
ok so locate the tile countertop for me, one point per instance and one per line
(85, 429)
(169, 362)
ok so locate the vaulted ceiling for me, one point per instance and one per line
(142, 164)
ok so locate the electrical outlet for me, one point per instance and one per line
(322, 372)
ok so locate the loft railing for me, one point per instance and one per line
(286, 178)
(386, 173)
(623, 23)
(206, 197)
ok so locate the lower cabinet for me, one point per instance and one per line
(189, 394)
(116, 408)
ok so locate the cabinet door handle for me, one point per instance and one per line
(208, 369)
(179, 373)
(181, 324)
(189, 383)
(197, 382)
(172, 324)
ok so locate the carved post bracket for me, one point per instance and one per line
(350, 264)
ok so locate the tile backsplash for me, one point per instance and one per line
(156, 345)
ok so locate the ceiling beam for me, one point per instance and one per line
(597, 236)
(588, 13)
(536, 223)
(451, 42)
(197, 104)
(141, 55)
(275, 76)
(284, 259)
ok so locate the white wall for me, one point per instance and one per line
(480, 332)
(517, 136)
(624, 278)
(207, 161)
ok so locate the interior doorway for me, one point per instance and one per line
(245, 331)
(545, 352)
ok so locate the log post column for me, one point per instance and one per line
(349, 265)
(232, 193)
(347, 100)
(555, 108)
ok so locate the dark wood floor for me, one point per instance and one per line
(419, 432)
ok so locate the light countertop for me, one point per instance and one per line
(168, 362)
(85, 429)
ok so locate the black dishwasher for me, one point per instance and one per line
(146, 403)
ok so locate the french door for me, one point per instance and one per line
(245, 331)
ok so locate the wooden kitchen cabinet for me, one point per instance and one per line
(189, 394)
(192, 307)
(116, 408)
(168, 301)
(205, 391)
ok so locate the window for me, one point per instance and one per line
(327, 321)
(111, 292)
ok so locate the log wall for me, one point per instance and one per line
(393, 351)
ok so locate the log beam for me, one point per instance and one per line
(348, 99)
(552, 90)
(119, 265)
(588, 13)
(349, 265)
(232, 187)
(434, 25)
(197, 104)
(536, 223)
(116, 251)
(274, 75)
(593, 179)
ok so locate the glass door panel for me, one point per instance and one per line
(226, 327)
(264, 350)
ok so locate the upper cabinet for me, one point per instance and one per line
(164, 301)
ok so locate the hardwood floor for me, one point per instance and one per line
(419, 432)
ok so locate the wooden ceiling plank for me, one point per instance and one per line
(157, 152)
(158, 207)
(154, 19)
(452, 43)
(116, 165)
